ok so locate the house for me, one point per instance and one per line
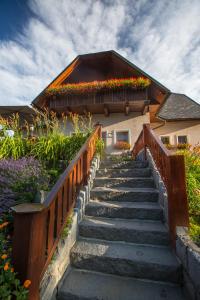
(25, 112)
(121, 105)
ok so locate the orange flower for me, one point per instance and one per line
(27, 283)
(4, 224)
(6, 267)
(4, 256)
(12, 270)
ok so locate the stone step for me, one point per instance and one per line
(125, 259)
(133, 231)
(123, 164)
(124, 194)
(137, 172)
(124, 210)
(135, 182)
(90, 285)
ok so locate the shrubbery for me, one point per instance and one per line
(122, 145)
(10, 286)
(33, 161)
(192, 161)
(20, 180)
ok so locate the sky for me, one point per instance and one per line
(39, 38)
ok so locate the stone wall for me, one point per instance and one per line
(186, 250)
(61, 260)
(163, 198)
(189, 255)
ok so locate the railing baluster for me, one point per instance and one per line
(37, 228)
(172, 171)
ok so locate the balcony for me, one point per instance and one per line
(100, 97)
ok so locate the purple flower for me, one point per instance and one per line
(20, 180)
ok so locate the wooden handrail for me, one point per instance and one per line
(38, 227)
(172, 170)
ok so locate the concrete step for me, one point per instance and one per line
(125, 259)
(89, 285)
(136, 172)
(124, 194)
(125, 210)
(135, 182)
(133, 231)
(123, 164)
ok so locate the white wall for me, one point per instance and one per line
(116, 122)
(174, 129)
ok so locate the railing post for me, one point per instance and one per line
(178, 214)
(145, 139)
(28, 252)
(85, 166)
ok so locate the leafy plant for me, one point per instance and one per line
(67, 227)
(183, 146)
(192, 162)
(10, 286)
(100, 146)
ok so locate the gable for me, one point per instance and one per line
(99, 67)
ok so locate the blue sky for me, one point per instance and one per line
(38, 38)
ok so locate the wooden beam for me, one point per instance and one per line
(85, 110)
(68, 111)
(106, 110)
(127, 109)
(145, 109)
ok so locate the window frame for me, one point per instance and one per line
(165, 136)
(182, 135)
(122, 130)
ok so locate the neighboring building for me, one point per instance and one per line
(122, 109)
(25, 112)
(180, 118)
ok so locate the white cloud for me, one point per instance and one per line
(161, 37)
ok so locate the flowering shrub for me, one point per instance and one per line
(95, 86)
(183, 146)
(122, 145)
(192, 161)
(10, 286)
(20, 180)
(50, 145)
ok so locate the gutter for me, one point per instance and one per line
(161, 125)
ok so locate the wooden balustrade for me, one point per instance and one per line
(38, 227)
(172, 170)
(100, 97)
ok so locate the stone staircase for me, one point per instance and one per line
(123, 250)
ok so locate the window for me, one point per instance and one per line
(165, 140)
(122, 136)
(182, 139)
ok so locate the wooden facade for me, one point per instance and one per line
(97, 67)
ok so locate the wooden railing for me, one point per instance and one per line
(172, 170)
(38, 227)
(101, 97)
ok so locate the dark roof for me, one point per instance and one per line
(25, 112)
(179, 107)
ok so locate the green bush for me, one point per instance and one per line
(192, 163)
(100, 146)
